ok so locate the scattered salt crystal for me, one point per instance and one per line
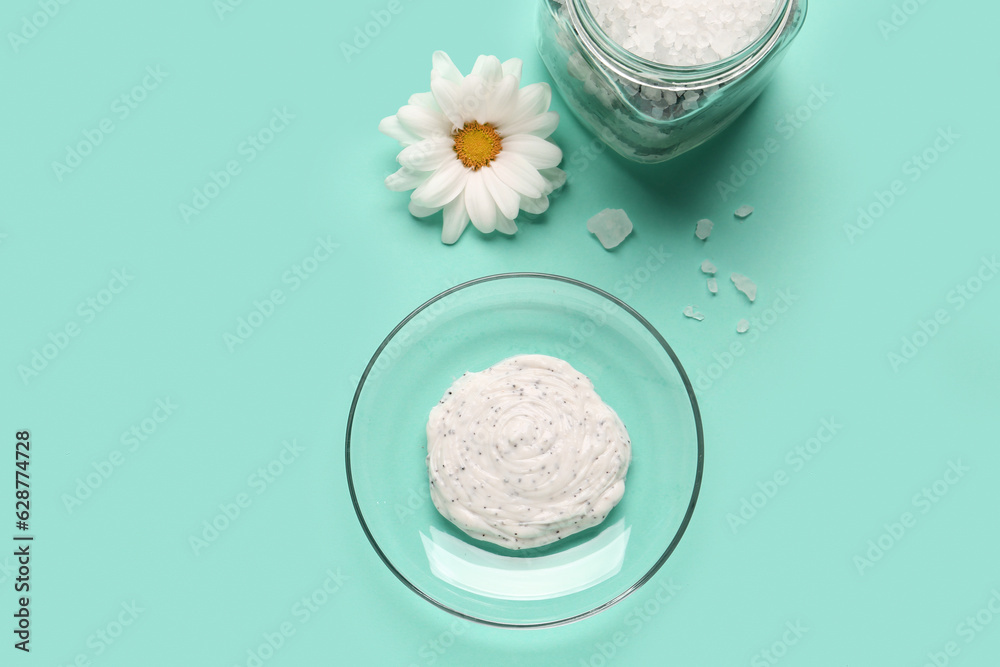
(744, 212)
(690, 312)
(704, 229)
(713, 285)
(708, 267)
(744, 285)
(684, 32)
(742, 326)
(611, 227)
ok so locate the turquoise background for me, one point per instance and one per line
(737, 587)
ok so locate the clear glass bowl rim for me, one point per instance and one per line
(694, 407)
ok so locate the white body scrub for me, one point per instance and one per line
(525, 453)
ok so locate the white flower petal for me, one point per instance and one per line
(456, 218)
(442, 64)
(489, 69)
(555, 178)
(500, 103)
(479, 202)
(391, 127)
(419, 211)
(428, 154)
(541, 154)
(424, 100)
(474, 99)
(505, 225)
(513, 68)
(518, 174)
(535, 206)
(425, 123)
(449, 96)
(541, 125)
(508, 201)
(532, 101)
(443, 185)
(405, 179)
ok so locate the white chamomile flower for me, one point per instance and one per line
(476, 147)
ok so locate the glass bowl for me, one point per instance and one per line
(469, 328)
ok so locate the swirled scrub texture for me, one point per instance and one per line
(525, 453)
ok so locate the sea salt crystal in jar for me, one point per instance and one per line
(655, 78)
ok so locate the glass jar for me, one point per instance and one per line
(646, 111)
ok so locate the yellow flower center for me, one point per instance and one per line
(477, 145)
